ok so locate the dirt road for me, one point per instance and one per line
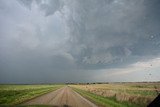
(62, 97)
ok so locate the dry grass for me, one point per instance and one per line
(137, 93)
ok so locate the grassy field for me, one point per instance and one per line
(16, 94)
(104, 101)
(120, 94)
(110, 95)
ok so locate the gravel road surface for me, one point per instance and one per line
(63, 97)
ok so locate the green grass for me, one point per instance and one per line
(104, 101)
(15, 94)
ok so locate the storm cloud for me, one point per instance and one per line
(45, 41)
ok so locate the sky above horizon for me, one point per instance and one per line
(47, 41)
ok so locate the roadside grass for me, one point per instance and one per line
(143, 89)
(15, 94)
(137, 93)
(104, 101)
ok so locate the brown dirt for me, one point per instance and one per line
(64, 97)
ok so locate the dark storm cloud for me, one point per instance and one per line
(112, 31)
(69, 40)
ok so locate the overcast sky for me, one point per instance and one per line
(45, 41)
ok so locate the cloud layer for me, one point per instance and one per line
(67, 41)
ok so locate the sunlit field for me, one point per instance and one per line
(120, 94)
(16, 94)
